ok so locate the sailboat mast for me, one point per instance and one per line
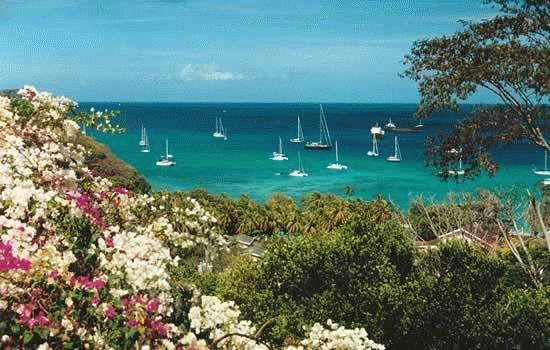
(280, 145)
(320, 123)
(166, 149)
(327, 133)
(336, 151)
(396, 147)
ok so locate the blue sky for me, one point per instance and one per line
(215, 50)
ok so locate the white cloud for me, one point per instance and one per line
(210, 71)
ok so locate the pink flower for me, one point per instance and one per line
(132, 323)
(121, 190)
(8, 262)
(95, 299)
(109, 242)
(98, 284)
(110, 312)
(153, 305)
(159, 327)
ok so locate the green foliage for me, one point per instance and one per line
(521, 320)
(354, 276)
(318, 213)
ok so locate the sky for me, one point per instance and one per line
(222, 50)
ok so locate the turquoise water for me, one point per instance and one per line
(242, 165)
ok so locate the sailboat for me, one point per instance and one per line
(165, 160)
(337, 165)
(300, 137)
(377, 132)
(324, 143)
(374, 152)
(390, 125)
(83, 129)
(279, 155)
(219, 133)
(144, 143)
(419, 126)
(397, 156)
(460, 171)
(300, 172)
(544, 172)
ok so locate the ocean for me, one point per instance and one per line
(241, 163)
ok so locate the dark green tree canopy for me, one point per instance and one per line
(508, 55)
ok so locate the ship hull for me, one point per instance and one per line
(318, 147)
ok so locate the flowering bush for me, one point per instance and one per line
(85, 264)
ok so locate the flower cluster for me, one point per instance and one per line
(337, 337)
(85, 264)
(214, 319)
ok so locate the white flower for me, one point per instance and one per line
(43, 346)
(69, 302)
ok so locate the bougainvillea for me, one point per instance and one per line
(85, 264)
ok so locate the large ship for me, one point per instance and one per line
(377, 131)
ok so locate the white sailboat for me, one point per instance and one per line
(83, 129)
(374, 151)
(219, 133)
(324, 143)
(145, 144)
(300, 172)
(280, 154)
(337, 165)
(300, 137)
(397, 156)
(544, 172)
(165, 160)
(459, 171)
(390, 126)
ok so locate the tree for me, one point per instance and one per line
(507, 55)
(354, 276)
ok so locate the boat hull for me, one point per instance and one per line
(318, 147)
(405, 130)
(297, 173)
(296, 141)
(337, 166)
(542, 172)
(162, 163)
